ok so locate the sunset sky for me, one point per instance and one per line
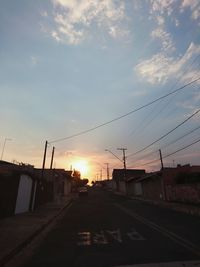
(67, 66)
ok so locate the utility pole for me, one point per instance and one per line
(124, 160)
(44, 158)
(124, 156)
(162, 178)
(100, 174)
(107, 164)
(52, 156)
(161, 160)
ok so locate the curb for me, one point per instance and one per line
(167, 205)
(170, 206)
(17, 249)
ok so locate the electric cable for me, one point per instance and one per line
(163, 136)
(172, 142)
(143, 126)
(168, 155)
(125, 115)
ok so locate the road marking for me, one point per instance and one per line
(100, 238)
(179, 240)
(105, 237)
(84, 239)
(116, 234)
(134, 235)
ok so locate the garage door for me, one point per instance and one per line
(24, 194)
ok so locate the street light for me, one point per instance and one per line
(4, 144)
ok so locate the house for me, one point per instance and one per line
(182, 183)
(17, 189)
(24, 188)
(150, 186)
(53, 184)
(122, 179)
(62, 182)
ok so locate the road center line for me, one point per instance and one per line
(179, 240)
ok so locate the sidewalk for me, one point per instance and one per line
(19, 230)
(181, 207)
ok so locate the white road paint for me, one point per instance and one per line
(116, 235)
(134, 235)
(176, 238)
(84, 239)
(105, 237)
(100, 238)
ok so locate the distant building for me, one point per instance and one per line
(122, 177)
(23, 187)
(181, 184)
(17, 189)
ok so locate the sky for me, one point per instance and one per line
(68, 66)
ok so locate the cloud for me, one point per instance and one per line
(160, 67)
(194, 6)
(155, 69)
(159, 11)
(165, 38)
(160, 20)
(74, 19)
(162, 6)
(172, 8)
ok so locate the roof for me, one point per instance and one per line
(119, 174)
(10, 169)
(7, 168)
(149, 176)
(50, 174)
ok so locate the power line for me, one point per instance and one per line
(172, 142)
(150, 162)
(178, 139)
(145, 156)
(143, 126)
(168, 155)
(195, 142)
(163, 136)
(125, 115)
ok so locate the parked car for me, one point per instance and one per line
(83, 191)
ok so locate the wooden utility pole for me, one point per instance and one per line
(107, 169)
(124, 156)
(161, 160)
(124, 160)
(52, 157)
(100, 174)
(44, 158)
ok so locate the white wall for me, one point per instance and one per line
(24, 194)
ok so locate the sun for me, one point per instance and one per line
(82, 166)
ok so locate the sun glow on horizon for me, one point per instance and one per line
(81, 166)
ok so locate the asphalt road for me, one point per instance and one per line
(103, 229)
